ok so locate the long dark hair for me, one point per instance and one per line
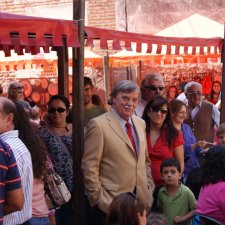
(213, 166)
(124, 209)
(30, 138)
(157, 102)
(212, 91)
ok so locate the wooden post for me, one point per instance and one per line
(222, 110)
(63, 65)
(106, 75)
(78, 115)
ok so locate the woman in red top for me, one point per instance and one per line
(163, 139)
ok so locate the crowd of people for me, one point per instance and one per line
(150, 157)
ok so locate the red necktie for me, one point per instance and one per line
(131, 137)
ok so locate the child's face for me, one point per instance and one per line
(170, 175)
(221, 138)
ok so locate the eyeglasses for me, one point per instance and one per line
(156, 110)
(183, 113)
(17, 88)
(59, 110)
(195, 93)
(155, 88)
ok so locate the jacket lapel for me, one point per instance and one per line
(116, 127)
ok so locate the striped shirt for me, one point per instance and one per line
(24, 164)
(9, 174)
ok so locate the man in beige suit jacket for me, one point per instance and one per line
(110, 164)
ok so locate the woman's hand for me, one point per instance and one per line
(52, 219)
(201, 144)
(142, 218)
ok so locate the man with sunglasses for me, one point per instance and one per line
(151, 85)
(115, 156)
(203, 116)
(16, 94)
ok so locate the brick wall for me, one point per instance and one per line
(101, 13)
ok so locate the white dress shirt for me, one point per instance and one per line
(215, 113)
(24, 163)
(140, 108)
(123, 122)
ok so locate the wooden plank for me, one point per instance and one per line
(222, 110)
(63, 65)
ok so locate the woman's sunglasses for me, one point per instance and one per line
(59, 110)
(156, 110)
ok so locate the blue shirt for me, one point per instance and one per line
(9, 174)
(189, 154)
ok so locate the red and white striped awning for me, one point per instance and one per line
(153, 44)
(28, 34)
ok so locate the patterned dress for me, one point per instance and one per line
(61, 163)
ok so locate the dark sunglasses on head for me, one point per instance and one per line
(155, 88)
(59, 110)
(156, 110)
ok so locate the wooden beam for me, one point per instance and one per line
(63, 65)
(106, 74)
(78, 115)
(222, 110)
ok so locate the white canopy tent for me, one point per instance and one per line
(194, 26)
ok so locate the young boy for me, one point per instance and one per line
(220, 133)
(175, 200)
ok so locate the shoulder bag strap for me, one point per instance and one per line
(63, 145)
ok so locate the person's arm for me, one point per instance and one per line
(14, 201)
(181, 219)
(179, 155)
(149, 172)
(51, 217)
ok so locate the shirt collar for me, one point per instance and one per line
(199, 105)
(11, 134)
(122, 121)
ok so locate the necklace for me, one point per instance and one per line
(66, 128)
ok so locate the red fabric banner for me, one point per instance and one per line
(31, 33)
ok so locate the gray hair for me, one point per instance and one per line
(190, 84)
(126, 86)
(151, 76)
(13, 84)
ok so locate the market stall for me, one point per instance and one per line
(25, 34)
